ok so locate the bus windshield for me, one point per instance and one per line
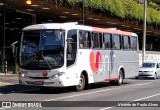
(42, 49)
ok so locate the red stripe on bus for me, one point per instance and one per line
(109, 31)
(111, 79)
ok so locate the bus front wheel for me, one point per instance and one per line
(81, 84)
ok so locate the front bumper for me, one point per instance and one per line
(146, 75)
(42, 82)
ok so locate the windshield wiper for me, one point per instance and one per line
(46, 62)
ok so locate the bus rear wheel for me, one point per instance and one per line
(81, 84)
(120, 78)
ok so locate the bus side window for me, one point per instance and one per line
(84, 39)
(115, 41)
(96, 40)
(126, 43)
(121, 42)
(101, 39)
(106, 41)
(88, 39)
(133, 41)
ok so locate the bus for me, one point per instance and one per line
(70, 54)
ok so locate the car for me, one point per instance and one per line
(150, 69)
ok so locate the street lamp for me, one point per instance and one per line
(28, 2)
(144, 32)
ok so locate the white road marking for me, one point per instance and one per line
(132, 101)
(93, 92)
(146, 97)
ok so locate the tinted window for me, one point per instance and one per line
(116, 42)
(126, 43)
(133, 43)
(96, 40)
(107, 41)
(84, 39)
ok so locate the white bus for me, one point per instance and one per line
(68, 54)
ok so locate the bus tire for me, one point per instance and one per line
(81, 84)
(120, 78)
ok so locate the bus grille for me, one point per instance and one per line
(39, 77)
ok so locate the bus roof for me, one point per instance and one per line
(75, 25)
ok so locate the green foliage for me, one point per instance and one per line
(123, 9)
(73, 2)
(153, 5)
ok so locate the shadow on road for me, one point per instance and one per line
(16, 88)
(61, 90)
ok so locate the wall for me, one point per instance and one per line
(150, 56)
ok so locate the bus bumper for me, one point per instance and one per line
(58, 82)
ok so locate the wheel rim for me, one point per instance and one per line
(120, 78)
(81, 84)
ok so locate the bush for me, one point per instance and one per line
(123, 9)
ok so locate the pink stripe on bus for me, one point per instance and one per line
(109, 31)
(111, 79)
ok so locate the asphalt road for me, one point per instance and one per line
(97, 98)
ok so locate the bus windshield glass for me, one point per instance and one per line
(42, 49)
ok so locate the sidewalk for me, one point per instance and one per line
(8, 79)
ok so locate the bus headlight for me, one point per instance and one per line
(23, 74)
(57, 75)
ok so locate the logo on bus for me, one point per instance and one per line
(99, 62)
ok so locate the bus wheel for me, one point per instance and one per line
(81, 84)
(120, 78)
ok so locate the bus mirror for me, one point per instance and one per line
(69, 40)
(14, 47)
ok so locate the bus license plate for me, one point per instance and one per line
(39, 82)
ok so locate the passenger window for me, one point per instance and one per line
(133, 43)
(84, 39)
(115, 42)
(106, 41)
(126, 43)
(96, 40)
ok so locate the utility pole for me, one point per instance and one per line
(144, 32)
(4, 40)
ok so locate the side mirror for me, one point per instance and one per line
(69, 40)
(14, 47)
(13, 50)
